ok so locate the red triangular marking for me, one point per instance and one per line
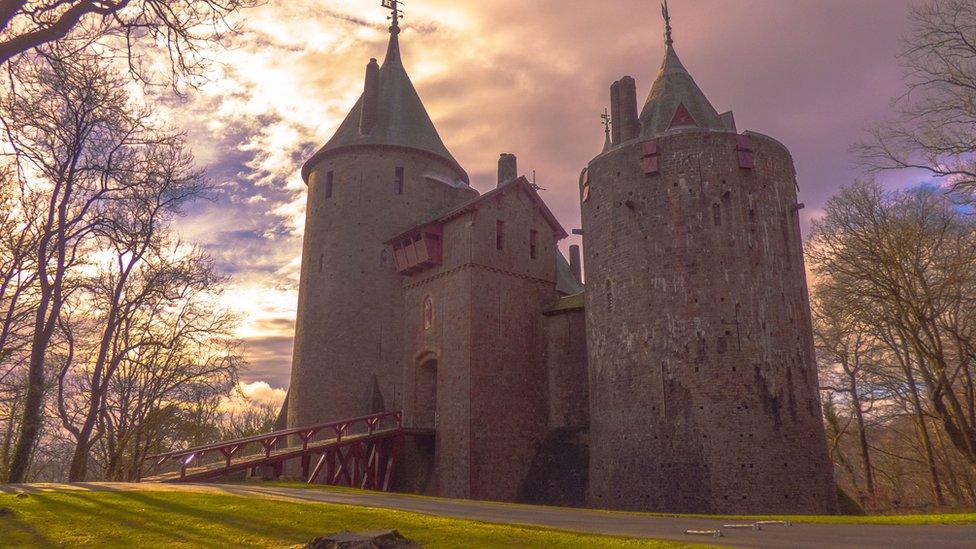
(682, 117)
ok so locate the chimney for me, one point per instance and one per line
(507, 168)
(629, 119)
(371, 97)
(615, 112)
(574, 263)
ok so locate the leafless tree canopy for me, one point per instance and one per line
(895, 312)
(183, 28)
(107, 319)
(934, 128)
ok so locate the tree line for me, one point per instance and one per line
(894, 303)
(112, 343)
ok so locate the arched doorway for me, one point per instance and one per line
(425, 399)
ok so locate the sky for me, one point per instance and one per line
(529, 78)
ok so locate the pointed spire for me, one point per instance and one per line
(667, 23)
(393, 50)
(606, 129)
(676, 101)
(399, 120)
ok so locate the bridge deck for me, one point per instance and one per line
(242, 463)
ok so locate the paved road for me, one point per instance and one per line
(581, 520)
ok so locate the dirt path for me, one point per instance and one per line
(579, 520)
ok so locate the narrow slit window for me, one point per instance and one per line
(321, 263)
(329, 180)
(398, 181)
(499, 235)
(717, 214)
(533, 243)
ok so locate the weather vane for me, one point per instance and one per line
(396, 12)
(667, 22)
(605, 117)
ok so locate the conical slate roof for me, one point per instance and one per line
(676, 100)
(401, 119)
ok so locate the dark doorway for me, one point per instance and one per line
(425, 403)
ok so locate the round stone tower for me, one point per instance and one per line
(703, 382)
(385, 170)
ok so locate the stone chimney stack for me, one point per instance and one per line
(507, 168)
(630, 126)
(615, 112)
(371, 96)
(575, 264)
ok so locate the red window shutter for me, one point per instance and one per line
(650, 148)
(650, 165)
(746, 160)
(649, 161)
(743, 144)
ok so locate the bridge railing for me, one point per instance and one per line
(267, 443)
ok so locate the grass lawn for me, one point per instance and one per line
(945, 518)
(183, 519)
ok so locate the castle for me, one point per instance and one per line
(681, 379)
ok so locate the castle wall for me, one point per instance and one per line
(488, 333)
(703, 384)
(348, 328)
(508, 372)
(566, 364)
(448, 340)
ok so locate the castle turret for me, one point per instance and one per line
(703, 383)
(385, 169)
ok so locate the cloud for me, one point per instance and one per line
(529, 78)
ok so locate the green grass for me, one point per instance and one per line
(186, 519)
(942, 518)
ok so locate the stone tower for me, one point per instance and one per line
(703, 383)
(385, 170)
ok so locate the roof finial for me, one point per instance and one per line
(667, 23)
(395, 15)
(605, 117)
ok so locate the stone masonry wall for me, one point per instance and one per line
(703, 383)
(569, 404)
(348, 328)
(487, 334)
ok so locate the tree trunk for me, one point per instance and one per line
(862, 436)
(922, 428)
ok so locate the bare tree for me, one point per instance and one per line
(913, 256)
(133, 227)
(70, 126)
(182, 349)
(844, 351)
(183, 27)
(934, 128)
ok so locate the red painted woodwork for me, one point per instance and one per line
(359, 452)
(682, 118)
(649, 161)
(649, 147)
(650, 165)
(747, 160)
(419, 250)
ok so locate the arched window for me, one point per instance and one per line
(428, 313)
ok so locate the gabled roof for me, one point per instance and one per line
(517, 184)
(401, 119)
(676, 101)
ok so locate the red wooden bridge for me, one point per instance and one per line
(359, 452)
